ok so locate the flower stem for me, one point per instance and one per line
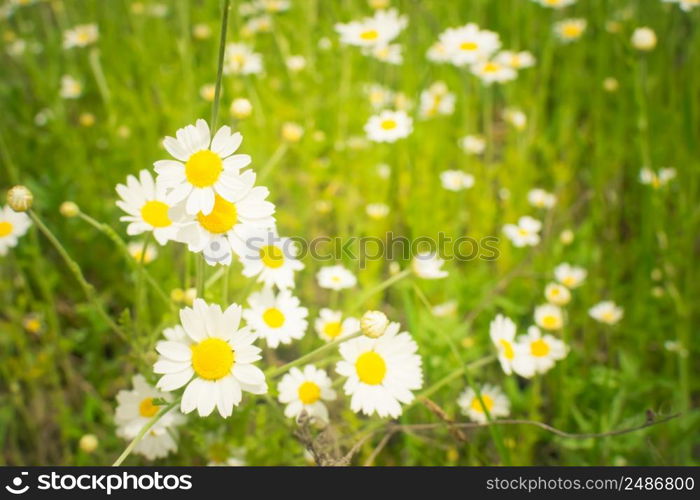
(381, 286)
(220, 69)
(143, 432)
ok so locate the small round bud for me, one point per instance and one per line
(611, 84)
(374, 324)
(644, 39)
(20, 198)
(86, 119)
(69, 209)
(292, 132)
(566, 236)
(88, 443)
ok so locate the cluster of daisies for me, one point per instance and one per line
(375, 35)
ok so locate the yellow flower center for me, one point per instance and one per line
(203, 168)
(221, 219)
(369, 35)
(272, 256)
(371, 368)
(491, 67)
(478, 407)
(539, 348)
(608, 316)
(571, 30)
(569, 281)
(507, 349)
(332, 329)
(468, 46)
(5, 228)
(273, 317)
(388, 124)
(309, 393)
(550, 322)
(523, 232)
(212, 358)
(147, 409)
(155, 213)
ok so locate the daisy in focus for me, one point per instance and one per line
(545, 350)
(492, 398)
(570, 276)
(306, 390)
(335, 277)
(278, 319)
(203, 167)
(135, 409)
(456, 180)
(606, 312)
(13, 225)
(330, 325)
(524, 233)
(388, 126)
(511, 355)
(212, 357)
(549, 317)
(381, 372)
(272, 259)
(144, 202)
(80, 36)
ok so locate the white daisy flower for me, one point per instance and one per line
(390, 54)
(70, 87)
(644, 39)
(515, 60)
(212, 357)
(473, 144)
(271, 258)
(651, 178)
(556, 4)
(549, 317)
(557, 294)
(296, 63)
(381, 372)
(545, 350)
(515, 117)
(239, 59)
(273, 6)
(377, 210)
(492, 398)
(570, 276)
(135, 249)
(335, 277)
(606, 312)
(135, 409)
(688, 5)
(378, 95)
(491, 71)
(525, 232)
(144, 202)
(389, 126)
(13, 225)
(376, 31)
(469, 44)
(428, 265)
(305, 390)
(331, 326)
(569, 30)
(278, 319)
(437, 100)
(539, 198)
(203, 167)
(512, 356)
(456, 180)
(80, 36)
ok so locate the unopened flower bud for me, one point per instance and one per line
(374, 324)
(20, 198)
(88, 443)
(69, 209)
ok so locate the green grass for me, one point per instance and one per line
(581, 142)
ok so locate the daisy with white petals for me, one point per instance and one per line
(212, 357)
(545, 350)
(557, 294)
(80, 36)
(389, 126)
(525, 232)
(271, 258)
(511, 355)
(376, 31)
(549, 317)
(468, 44)
(335, 277)
(135, 409)
(428, 265)
(492, 398)
(306, 390)
(606, 312)
(278, 319)
(381, 372)
(539, 198)
(13, 225)
(492, 71)
(203, 167)
(555, 4)
(456, 180)
(569, 30)
(570, 276)
(436, 100)
(515, 60)
(330, 325)
(143, 200)
(239, 59)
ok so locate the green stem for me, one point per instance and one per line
(220, 69)
(381, 286)
(143, 432)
